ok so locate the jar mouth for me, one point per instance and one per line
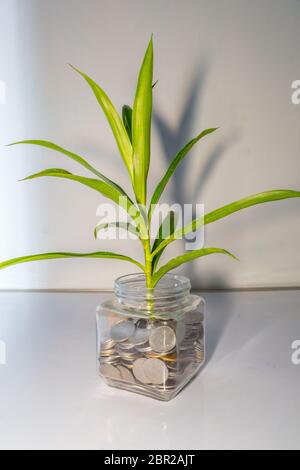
(133, 286)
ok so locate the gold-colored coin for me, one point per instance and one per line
(167, 358)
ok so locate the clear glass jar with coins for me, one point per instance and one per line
(151, 342)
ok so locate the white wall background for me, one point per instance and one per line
(227, 64)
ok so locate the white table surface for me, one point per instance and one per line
(247, 395)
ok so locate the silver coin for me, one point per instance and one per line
(139, 370)
(129, 357)
(126, 351)
(158, 323)
(173, 368)
(126, 346)
(162, 339)
(114, 355)
(108, 344)
(110, 360)
(145, 348)
(140, 336)
(122, 331)
(126, 375)
(156, 371)
(110, 371)
(107, 352)
(171, 384)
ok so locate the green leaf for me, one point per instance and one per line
(127, 120)
(166, 229)
(260, 198)
(119, 225)
(47, 256)
(73, 156)
(172, 168)
(57, 172)
(141, 126)
(192, 255)
(101, 187)
(114, 120)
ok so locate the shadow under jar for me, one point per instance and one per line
(151, 342)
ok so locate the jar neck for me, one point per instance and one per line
(171, 292)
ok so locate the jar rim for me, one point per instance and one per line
(134, 285)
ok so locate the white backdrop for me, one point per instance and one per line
(229, 64)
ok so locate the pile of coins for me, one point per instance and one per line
(153, 353)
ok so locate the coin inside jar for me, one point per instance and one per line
(169, 358)
(126, 375)
(140, 336)
(108, 344)
(110, 371)
(156, 371)
(122, 331)
(139, 370)
(162, 339)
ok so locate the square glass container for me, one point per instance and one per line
(151, 342)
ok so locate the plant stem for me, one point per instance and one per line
(149, 277)
(148, 264)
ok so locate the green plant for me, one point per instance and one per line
(132, 133)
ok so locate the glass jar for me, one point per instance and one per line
(151, 342)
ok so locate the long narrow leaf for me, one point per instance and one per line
(114, 120)
(73, 156)
(141, 126)
(173, 166)
(127, 120)
(101, 187)
(260, 198)
(48, 256)
(192, 255)
(166, 230)
(118, 225)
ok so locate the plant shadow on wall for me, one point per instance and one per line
(172, 141)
